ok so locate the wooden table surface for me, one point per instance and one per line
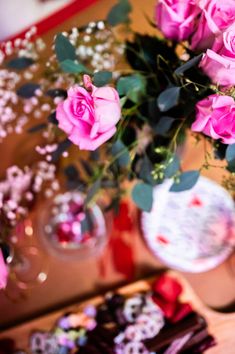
(221, 326)
(70, 281)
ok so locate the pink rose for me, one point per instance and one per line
(176, 18)
(219, 62)
(89, 116)
(3, 272)
(216, 17)
(215, 117)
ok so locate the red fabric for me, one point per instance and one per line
(120, 250)
(168, 288)
(166, 292)
(56, 18)
(123, 221)
(122, 257)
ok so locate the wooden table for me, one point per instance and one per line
(72, 281)
(221, 326)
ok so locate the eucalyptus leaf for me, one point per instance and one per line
(172, 167)
(164, 125)
(231, 166)
(186, 181)
(119, 13)
(72, 67)
(189, 64)
(121, 153)
(168, 98)
(27, 90)
(62, 147)
(133, 87)
(230, 153)
(142, 195)
(64, 49)
(101, 78)
(146, 169)
(20, 63)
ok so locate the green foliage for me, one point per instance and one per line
(119, 13)
(27, 90)
(142, 195)
(19, 63)
(133, 87)
(73, 67)
(120, 153)
(230, 153)
(168, 99)
(102, 78)
(64, 49)
(172, 167)
(188, 65)
(185, 181)
(146, 169)
(164, 125)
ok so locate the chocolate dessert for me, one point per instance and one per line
(150, 322)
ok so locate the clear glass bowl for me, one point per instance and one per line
(71, 231)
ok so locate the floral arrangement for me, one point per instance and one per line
(109, 105)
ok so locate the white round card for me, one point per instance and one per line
(192, 231)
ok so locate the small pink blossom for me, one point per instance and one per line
(89, 117)
(215, 117)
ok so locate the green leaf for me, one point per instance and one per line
(164, 125)
(142, 195)
(64, 49)
(119, 13)
(145, 171)
(186, 181)
(27, 90)
(101, 78)
(69, 66)
(230, 153)
(120, 151)
(168, 98)
(20, 63)
(172, 167)
(192, 62)
(133, 87)
(62, 147)
(92, 191)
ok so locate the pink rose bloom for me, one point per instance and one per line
(3, 272)
(176, 18)
(215, 117)
(219, 62)
(216, 17)
(89, 116)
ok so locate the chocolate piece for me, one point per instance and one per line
(167, 335)
(197, 338)
(199, 348)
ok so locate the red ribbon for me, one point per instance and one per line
(166, 292)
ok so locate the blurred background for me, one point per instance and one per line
(69, 281)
